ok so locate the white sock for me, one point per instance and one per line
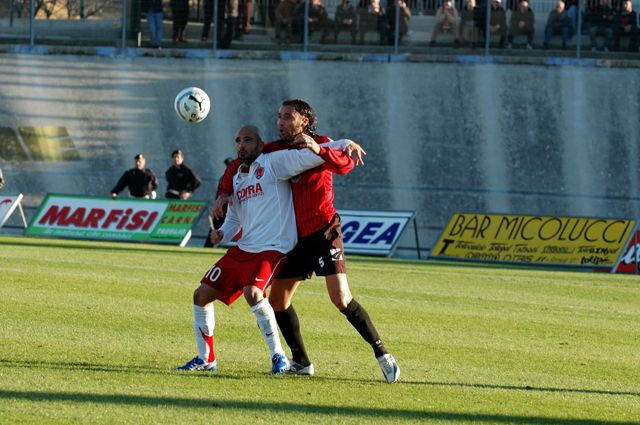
(203, 325)
(267, 323)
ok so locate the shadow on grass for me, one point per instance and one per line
(92, 367)
(526, 388)
(100, 245)
(292, 408)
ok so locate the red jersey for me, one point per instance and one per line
(312, 190)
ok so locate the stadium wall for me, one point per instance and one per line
(440, 137)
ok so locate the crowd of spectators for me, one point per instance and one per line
(609, 24)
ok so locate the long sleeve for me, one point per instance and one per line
(337, 161)
(225, 186)
(194, 181)
(231, 225)
(154, 179)
(122, 183)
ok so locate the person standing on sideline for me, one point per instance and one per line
(263, 209)
(142, 182)
(319, 248)
(182, 181)
(155, 16)
(1, 179)
(180, 12)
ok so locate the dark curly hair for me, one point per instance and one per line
(304, 109)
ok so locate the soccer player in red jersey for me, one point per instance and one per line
(319, 248)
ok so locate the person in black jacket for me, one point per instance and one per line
(626, 24)
(182, 181)
(142, 182)
(600, 18)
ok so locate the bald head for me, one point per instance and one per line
(248, 143)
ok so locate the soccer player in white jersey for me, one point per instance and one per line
(263, 208)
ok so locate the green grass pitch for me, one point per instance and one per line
(91, 333)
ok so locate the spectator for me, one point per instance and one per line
(180, 12)
(498, 22)
(182, 181)
(522, 23)
(284, 20)
(600, 18)
(572, 12)
(447, 21)
(318, 19)
(346, 19)
(142, 182)
(405, 16)
(231, 18)
(155, 16)
(557, 23)
(1, 179)
(626, 24)
(468, 18)
(372, 16)
(207, 16)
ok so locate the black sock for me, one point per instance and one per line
(358, 317)
(290, 328)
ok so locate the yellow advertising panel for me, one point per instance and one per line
(573, 241)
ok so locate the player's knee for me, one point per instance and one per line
(341, 300)
(277, 303)
(253, 294)
(203, 295)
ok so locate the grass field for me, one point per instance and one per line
(91, 332)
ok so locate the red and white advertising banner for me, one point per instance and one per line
(144, 220)
(630, 258)
(8, 205)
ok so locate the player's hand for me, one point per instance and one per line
(216, 236)
(221, 201)
(356, 151)
(114, 195)
(184, 195)
(305, 141)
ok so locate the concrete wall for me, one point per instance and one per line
(440, 137)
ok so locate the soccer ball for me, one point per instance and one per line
(192, 104)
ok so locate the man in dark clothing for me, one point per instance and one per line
(142, 182)
(182, 181)
(626, 24)
(600, 18)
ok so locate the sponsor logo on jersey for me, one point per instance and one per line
(250, 191)
(259, 172)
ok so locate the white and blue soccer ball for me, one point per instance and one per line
(192, 105)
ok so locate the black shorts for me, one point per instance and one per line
(321, 252)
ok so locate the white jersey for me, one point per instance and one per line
(262, 204)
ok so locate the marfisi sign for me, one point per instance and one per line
(84, 217)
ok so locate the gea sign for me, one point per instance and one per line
(372, 232)
(84, 217)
